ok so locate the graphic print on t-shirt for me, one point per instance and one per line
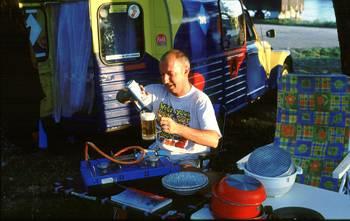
(179, 116)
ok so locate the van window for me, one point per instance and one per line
(121, 35)
(249, 25)
(36, 24)
(232, 23)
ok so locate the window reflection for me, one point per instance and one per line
(232, 21)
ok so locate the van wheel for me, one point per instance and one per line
(286, 69)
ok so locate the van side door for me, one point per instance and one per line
(256, 59)
(119, 32)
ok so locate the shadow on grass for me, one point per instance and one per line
(247, 129)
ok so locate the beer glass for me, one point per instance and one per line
(148, 125)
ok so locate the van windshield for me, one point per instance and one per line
(120, 32)
(232, 23)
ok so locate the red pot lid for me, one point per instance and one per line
(240, 189)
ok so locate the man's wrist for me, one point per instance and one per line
(179, 129)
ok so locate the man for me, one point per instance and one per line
(186, 117)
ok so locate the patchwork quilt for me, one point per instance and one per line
(313, 121)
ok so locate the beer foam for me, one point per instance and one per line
(148, 116)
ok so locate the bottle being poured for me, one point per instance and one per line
(132, 92)
(143, 101)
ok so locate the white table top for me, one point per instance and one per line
(330, 204)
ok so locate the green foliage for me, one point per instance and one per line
(294, 22)
(316, 60)
(316, 53)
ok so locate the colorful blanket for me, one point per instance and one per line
(313, 121)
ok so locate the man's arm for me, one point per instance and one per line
(208, 138)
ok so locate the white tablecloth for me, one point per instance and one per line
(331, 205)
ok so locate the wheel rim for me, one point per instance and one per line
(285, 71)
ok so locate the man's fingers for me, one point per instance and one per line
(159, 117)
(143, 90)
(164, 120)
(164, 123)
(167, 124)
(164, 127)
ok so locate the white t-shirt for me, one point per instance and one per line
(193, 109)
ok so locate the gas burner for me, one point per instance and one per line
(152, 161)
(103, 166)
(102, 171)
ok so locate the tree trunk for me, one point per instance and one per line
(342, 14)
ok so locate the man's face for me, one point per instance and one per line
(174, 75)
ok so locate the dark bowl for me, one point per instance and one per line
(297, 213)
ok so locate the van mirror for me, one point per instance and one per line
(271, 33)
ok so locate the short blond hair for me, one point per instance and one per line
(179, 55)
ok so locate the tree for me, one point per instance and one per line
(342, 12)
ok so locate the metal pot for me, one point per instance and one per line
(237, 196)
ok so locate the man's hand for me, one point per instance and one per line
(143, 91)
(208, 138)
(124, 96)
(168, 125)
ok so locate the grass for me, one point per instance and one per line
(293, 22)
(27, 178)
(318, 60)
(319, 53)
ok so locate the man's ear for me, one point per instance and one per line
(187, 71)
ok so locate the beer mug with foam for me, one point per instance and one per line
(148, 125)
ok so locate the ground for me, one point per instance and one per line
(27, 177)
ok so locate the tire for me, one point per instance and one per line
(287, 67)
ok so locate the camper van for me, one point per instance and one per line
(88, 50)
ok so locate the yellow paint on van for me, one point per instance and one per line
(175, 16)
(159, 25)
(263, 55)
(278, 57)
(117, 8)
(268, 58)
